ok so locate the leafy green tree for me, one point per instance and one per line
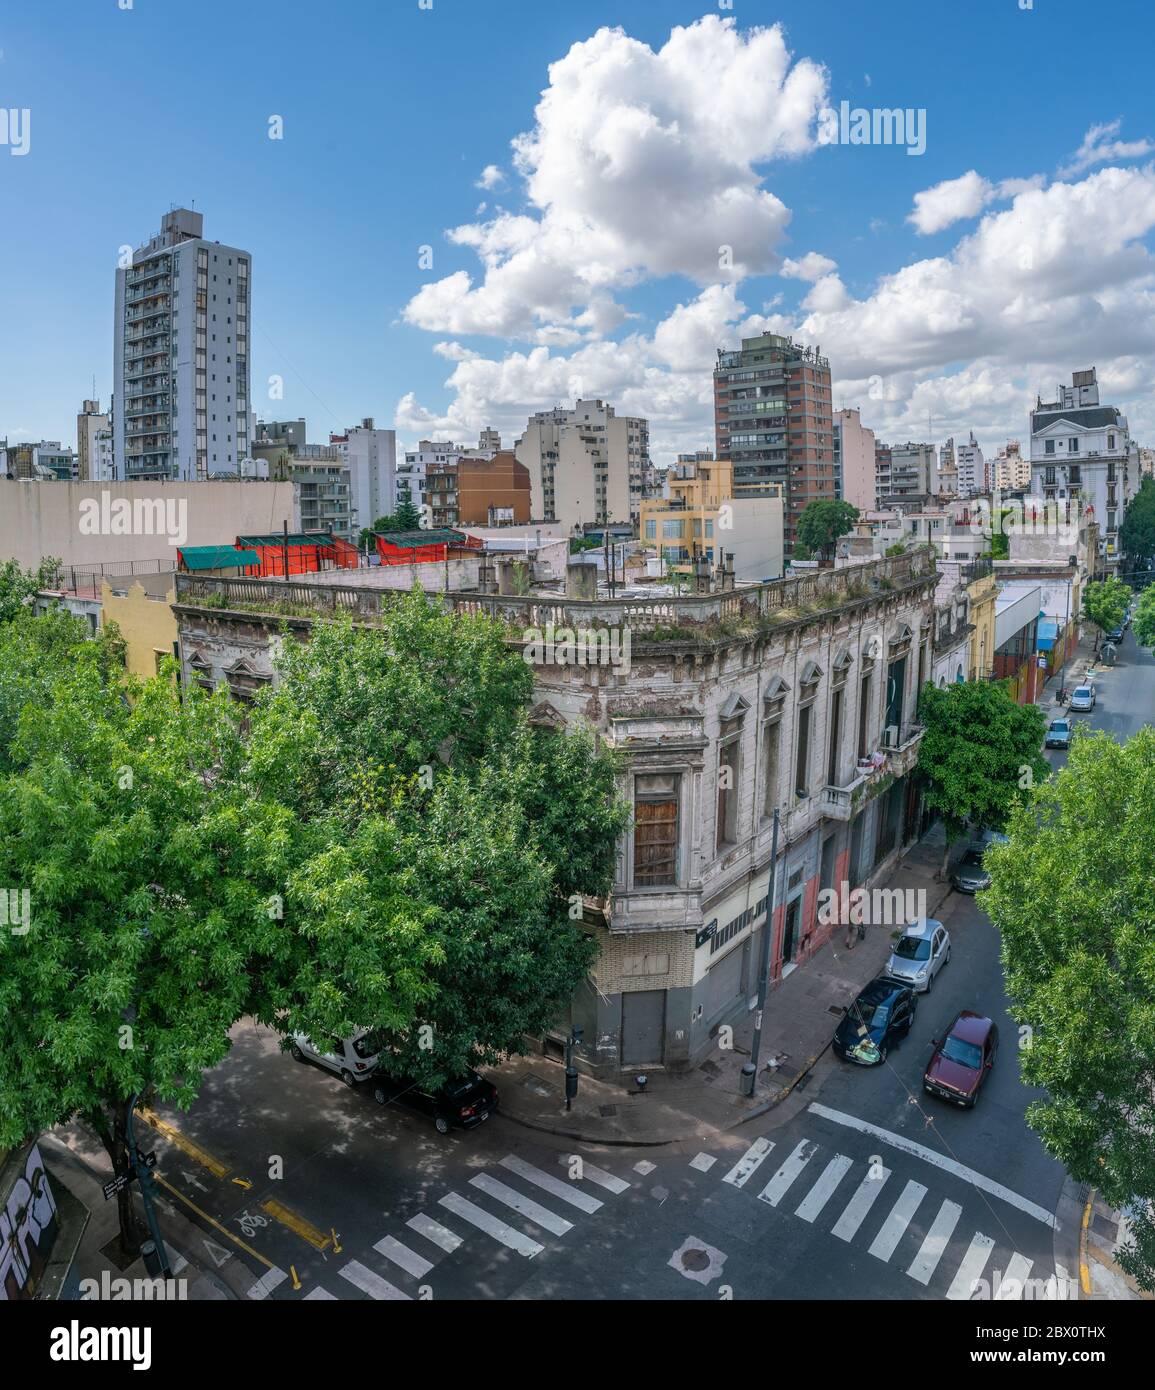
(1105, 604)
(1071, 896)
(405, 518)
(802, 552)
(413, 735)
(898, 548)
(1144, 624)
(980, 751)
(19, 586)
(823, 521)
(1137, 533)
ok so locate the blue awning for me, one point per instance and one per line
(1048, 633)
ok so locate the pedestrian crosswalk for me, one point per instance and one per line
(819, 1189)
(508, 1212)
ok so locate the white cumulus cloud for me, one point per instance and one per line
(1098, 148)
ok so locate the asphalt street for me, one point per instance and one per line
(860, 1186)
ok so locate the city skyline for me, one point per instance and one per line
(531, 290)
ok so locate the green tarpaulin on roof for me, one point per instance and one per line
(294, 538)
(217, 557)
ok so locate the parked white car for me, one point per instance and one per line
(921, 952)
(1082, 700)
(355, 1060)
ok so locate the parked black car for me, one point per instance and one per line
(1115, 635)
(878, 1018)
(460, 1104)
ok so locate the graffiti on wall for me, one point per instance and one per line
(27, 1225)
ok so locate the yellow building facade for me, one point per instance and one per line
(686, 518)
(982, 593)
(143, 613)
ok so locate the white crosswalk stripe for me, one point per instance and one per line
(434, 1231)
(319, 1292)
(567, 1192)
(1014, 1277)
(372, 1284)
(811, 1205)
(856, 1210)
(894, 1227)
(526, 1206)
(971, 1269)
(409, 1260)
(749, 1163)
(598, 1176)
(924, 1264)
(503, 1234)
(780, 1183)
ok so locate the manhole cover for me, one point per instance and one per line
(695, 1259)
(607, 1111)
(786, 1072)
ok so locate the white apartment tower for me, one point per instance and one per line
(1012, 471)
(972, 468)
(854, 459)
(182, 356)
(371, 457)
(94, 445)
(1083, 457)
(587, 465)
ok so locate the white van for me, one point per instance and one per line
(354, 1060)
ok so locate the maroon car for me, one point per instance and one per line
(962, 1059)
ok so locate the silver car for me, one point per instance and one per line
(1082, 699)
(354, 1059)
(921, 952)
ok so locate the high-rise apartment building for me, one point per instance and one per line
(94, 445)
(182, 356)
(947, 470)
(319, 472)
(904, 474)
(1012, 472)
(371, 457)
(854, 459)
(972, 469)
(773, 420)
(587, 465)
(1083, 457)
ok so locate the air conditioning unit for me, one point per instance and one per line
(890, 737)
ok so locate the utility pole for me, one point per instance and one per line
(750, 1070)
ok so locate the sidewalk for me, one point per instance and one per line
(1103, 1232)
(78, 1163)
(800, 1018)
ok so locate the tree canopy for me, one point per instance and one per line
(1071, 896)
(1105, 604)
(405, 517)
(979, 753)
(822, 522)
(1144, 624)
(1137, 533)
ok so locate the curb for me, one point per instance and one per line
(1084, 1272)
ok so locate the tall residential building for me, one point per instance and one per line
(773, 421)
(182, 356)
(587, 465)
(1083, 457)
(854, 459)
(94, 445)
(1012, 472)
(904, 474)
(972, 469)
(371, 456)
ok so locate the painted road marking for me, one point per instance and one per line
(598, 1175)
(267, 1283)
(749, 1162)
(372, 1284)
(703, 1162)
(297, 1224)
(942, 1227)
(778, 1185)
(500, 1232)
(174, 1136)
(434, 1231)
(644, 1167)
(971, 1269)
(948, 1165)
(854, 1214)
(319, 1292)
(534, 1211)
(213, 1222)
(409, 1260)
(1014, 1278)
(567, 1192)
(822, 1191)
(894, 1227)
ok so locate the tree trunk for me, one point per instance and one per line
(112, 1127)
(946, 857)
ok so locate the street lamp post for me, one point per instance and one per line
(750, 1070)
(158, 1265)
(571, 1072)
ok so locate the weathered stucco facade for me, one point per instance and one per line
(798, 697)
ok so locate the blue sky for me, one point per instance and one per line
(391, 113)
